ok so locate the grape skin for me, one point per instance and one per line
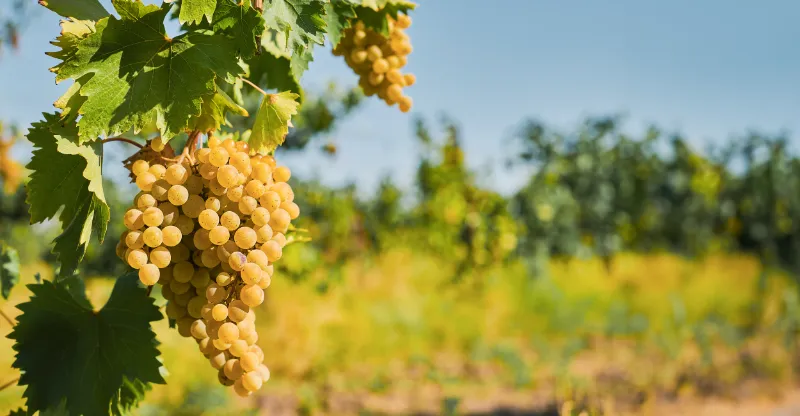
(211, 248)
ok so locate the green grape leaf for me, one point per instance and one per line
(375, 13)
(298, 25)
(139, 74)
(66, 174)
(212, 115)
(273, 72)
(193, 11)
(241, 21)
(98, 363)
(272, 121)
(338, 17)
(78, 9)
(18, 412)
(386, 4)
(9, 269)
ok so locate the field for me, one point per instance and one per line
(394, 336)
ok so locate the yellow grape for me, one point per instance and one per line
(252, 381)
(134, 239)
(208, 219)
(279, 220)
(215, 293)
(236, 193)
(292, 209)
(230, 220)
(238, 311)
(152, 236)
(249, 361)
(193, 206)
(264, 234)
(252, 295)
(160, 256)
(251, 273)
(258, 257)
(228, 332)
(237, 261)
(133, 219)
(171, 236)
(178, 195)
(224, 279)
(240, 390)
(245, 237)
(273, 250)
(170, 213)
(158, 171)
(271, 200)
(137, 258)
(145, 201)
(139, 167)
(148, 274)
(152, 217)
(198, 329)
(184, 224)
(218, 157)
(247, 205)
(281, 174)
(194, 185)
(176, 174)
(262, 173)
(219, 312)
(183, 272)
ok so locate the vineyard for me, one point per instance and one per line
(632, 273)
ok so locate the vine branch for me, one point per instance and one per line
(122, 139)
(245, 80)
(9, 383)
(7, 318)
(191, 144)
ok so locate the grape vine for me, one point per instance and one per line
(214, 210)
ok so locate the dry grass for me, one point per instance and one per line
(394, 337)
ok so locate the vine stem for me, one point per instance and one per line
(191, 144)
(122, 139)
(7, 318)
(9, 383)
(253, 85)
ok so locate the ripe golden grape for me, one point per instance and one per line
(378, 59)
(208, 232)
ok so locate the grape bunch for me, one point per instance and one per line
(208, 231)
(378, 59)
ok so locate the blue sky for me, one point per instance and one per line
(709, 69)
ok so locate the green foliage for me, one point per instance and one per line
(272, 121)
(298, 26)
(147, 76)
(242, 22)
(194, 11)
(9, 269)
(99, 362)
(66, 174)
(338, 15)
(78, 9)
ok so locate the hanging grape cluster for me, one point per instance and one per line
(378, 59)
(10, 170)
(208, 230)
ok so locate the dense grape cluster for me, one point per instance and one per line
(209, 232)
(377, 60)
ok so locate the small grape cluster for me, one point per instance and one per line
(208, 231)
(377, 60)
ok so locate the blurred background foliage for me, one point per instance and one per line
(620, 252)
